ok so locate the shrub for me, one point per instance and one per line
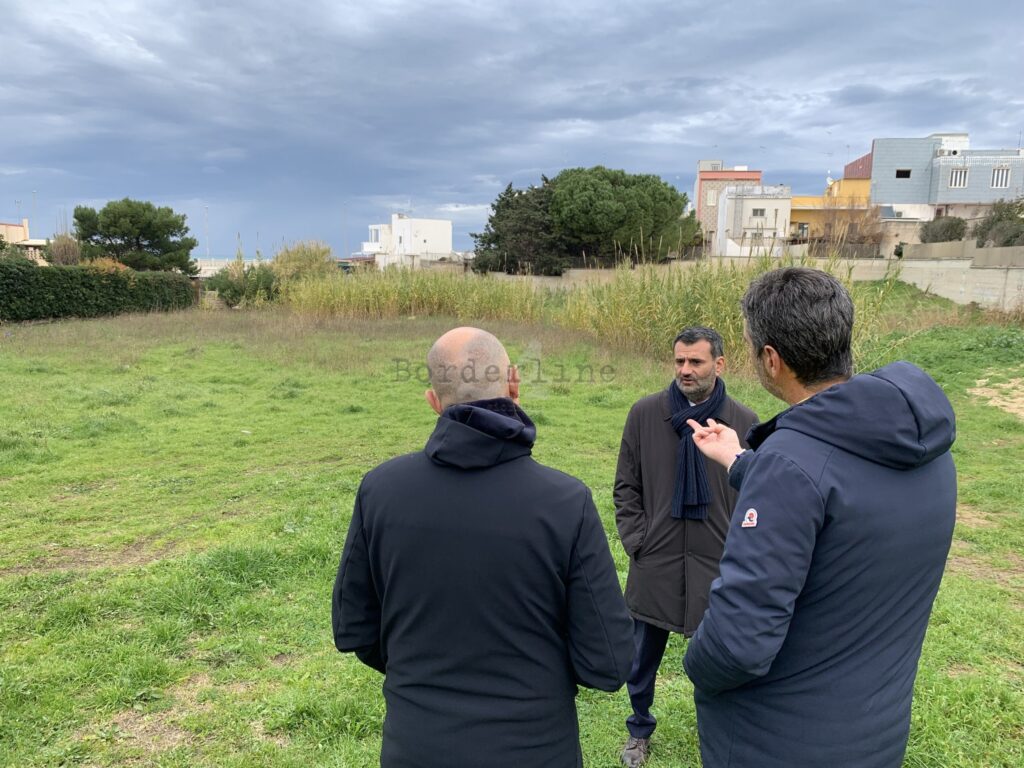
(944, 229)
(238, 284)
(28, 292)
(305, 259)
(1003, 226)
(63, 249)
(105, 264)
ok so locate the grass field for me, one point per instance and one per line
(175, 491)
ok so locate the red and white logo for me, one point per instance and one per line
(749, 519)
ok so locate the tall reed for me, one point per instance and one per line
(641, 308)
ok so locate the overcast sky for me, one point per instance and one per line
(284, 121)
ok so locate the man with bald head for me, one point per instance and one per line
(480, 582)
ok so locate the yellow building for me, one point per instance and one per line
(842, 212)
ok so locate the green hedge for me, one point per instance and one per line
(30, 292)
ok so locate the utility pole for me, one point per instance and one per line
(344, 231)
(206, 227)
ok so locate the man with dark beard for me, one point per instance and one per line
(672, 512)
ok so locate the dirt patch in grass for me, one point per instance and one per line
(141, 552)
(155, 732)
(1010, 576)
(973, 517)
(959, 670)
(1007, 395)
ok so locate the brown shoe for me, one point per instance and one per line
(636, 751)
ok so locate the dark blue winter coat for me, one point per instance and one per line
(481, 583)
(808, 651)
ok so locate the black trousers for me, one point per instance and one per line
(649, 647)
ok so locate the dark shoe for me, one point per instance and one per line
(635, 753)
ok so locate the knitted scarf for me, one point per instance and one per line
(692, 495)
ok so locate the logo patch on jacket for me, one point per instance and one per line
(749, 519)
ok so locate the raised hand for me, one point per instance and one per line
(716, 441)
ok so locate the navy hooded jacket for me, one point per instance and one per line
(808, 650)
(481, 583)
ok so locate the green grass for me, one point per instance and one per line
(175, 491)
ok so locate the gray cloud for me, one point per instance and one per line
(315, 122)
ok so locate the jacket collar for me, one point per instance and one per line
(481, 434)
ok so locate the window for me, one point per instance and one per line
(757, 213)
(1000, 178)
(957, 178)
(711, 197)
(902, 173)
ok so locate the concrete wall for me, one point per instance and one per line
(967, 249)
(954, 250)
(896, 231)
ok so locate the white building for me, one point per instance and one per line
(752, 221)
(407, 242)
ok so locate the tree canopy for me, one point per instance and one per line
(1003, 226)
(137, 234)
(593, 214)
(944, 229)
(603, 212)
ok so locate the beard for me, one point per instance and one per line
(697, 390)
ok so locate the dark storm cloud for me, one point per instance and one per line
(315, 122)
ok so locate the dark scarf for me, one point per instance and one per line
(692, 495)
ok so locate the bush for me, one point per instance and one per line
(28, 292)
(64, 249)
(305, 259)
(238, 284)
(944, 229)
(1003, 226)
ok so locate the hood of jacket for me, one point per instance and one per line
(481, 434)
(896, 416)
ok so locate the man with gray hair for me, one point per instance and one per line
(672, 513)
(808, 650)
(479, 582)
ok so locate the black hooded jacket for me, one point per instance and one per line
(481, 584)
(807, 654)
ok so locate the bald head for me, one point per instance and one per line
(468, 364)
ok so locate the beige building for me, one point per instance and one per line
(713, 179)
(14, 233)
(408, 242)
(752, 221)
(18, 236)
